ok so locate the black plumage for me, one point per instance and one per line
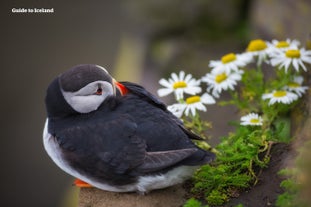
(126, 137)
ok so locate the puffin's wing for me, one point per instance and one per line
(112, 146)
(144, 94)
(147, 96)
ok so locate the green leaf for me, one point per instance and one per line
(282, 129)
(192, 202)
(217, 198)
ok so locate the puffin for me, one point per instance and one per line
(116, 136)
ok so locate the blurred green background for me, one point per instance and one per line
(139, 41)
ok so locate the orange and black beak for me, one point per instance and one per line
(122, 89)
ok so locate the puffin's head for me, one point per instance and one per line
(83, 88)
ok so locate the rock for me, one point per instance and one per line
(279, 19)
(169, 197)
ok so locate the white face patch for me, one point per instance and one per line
(87, 98)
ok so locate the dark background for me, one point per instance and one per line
(140, 41)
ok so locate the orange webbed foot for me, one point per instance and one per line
(81, 184)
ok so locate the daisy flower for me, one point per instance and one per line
(276, 45)
(191, 105)
(231, 61)
(179, 84)
(296, 87)
(280, 96)
(251, 119)
(293, 56)
(258, 48)
(221, 79)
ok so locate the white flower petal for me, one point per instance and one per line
(182, 75)
(295, 64)
(164, 83)
(188, 78)
(175, 77)
(177, 109)
(193, 111)
(164, 91)
(207, 99)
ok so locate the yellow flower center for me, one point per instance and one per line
(282, 44)
(221, 77)
(193, 99)
(292, 53)
(180, 84)
(293, 85)
(256, 45)
(278, 94)
(228, 58)
(254, 121)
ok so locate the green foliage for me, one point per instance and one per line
(253, 88)
(282, 129)
(291, 195)
(242, 154)
(296, 180)
(285, 200)
(234, 169)
(216, 197)
(196, 124)
(192, 202)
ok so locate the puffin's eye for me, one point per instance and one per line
(99, 91)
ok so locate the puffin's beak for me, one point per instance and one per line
(123, 90)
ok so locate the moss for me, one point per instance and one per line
(234, 169)
(193, 203)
